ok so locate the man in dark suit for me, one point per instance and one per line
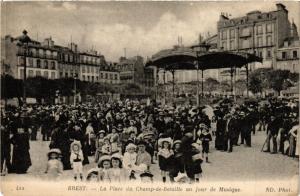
(229, 132)
(273, 129)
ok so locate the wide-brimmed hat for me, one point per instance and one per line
(177, 142)
(146, 174)
(117, 156)
(101, 131)
(130, 146)
(141, 142)
(180, 176)
(104, 158)
(197, 157)
(54, 150)
(195, 145)
(204, 126)
(148, 135)
(162, 140)
(92, 171)
(76, 142)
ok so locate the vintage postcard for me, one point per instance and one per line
(150, 98)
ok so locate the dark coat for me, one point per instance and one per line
(21, 160)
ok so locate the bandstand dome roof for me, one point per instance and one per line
(183, 58)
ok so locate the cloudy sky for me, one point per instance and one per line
(143, 28)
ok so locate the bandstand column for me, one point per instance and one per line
(202, 80)
(231, 80)
(247, 79)
(173, 77)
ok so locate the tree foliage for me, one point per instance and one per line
(267, 78)
(42, 88)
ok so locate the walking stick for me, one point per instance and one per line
(264, 144)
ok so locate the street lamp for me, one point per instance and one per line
(23, 42)
(75, 77)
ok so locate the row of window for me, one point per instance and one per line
(34, 51)
(90, 59)
(284, 55)
(95, 79)
(66, 74)
(67, 58)
(111, 76)
(89, 69)
(102, 75)
(38, 63)
(33, 73)
(245, 43)
(246, 31)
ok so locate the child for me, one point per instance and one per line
(213, 125)
(106, 148)
(92, 175)
(104, 165)
(177, 164)
(90, 139)
(165, 156)
(129, 161)
(117, 173)
(76, 159)
(205, 138)
(114, 140)
(99, 144)
(196, 162)
(54, 166)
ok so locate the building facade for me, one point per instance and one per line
(41, 58)
(52, 61)
(288, 56)
(259, 33)
(131, 70)
(149, 80)
(68, 63)
(90, 65)
(108, 74)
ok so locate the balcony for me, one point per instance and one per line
(288, 59)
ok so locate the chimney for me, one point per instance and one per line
(280, 6)
(223, 17)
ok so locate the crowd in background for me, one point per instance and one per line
(127, 138)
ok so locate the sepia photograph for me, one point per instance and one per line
(150, 97)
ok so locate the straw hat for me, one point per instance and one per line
(162, 140)
(54, 150)
(177, 142)
(117, 156)
(76, 142)
(130, 146)
(180, 177)
(104, 158)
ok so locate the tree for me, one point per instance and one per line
(211, 84)
(225, 86)
(241, 86)
(276, 79)
(255, 84)
(11, 87)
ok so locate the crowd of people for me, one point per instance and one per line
(126, 138)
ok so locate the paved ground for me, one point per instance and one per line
(242, 164)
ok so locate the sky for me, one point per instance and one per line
(143, 28)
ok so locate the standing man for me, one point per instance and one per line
(273, 129)
(229, 133)
(21, 160)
